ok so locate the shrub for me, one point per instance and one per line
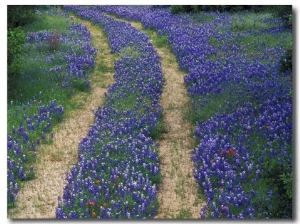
(15, 47)
(181, 8)
(54, 41)
(284, 12)
(286, 61)
(19, 15)
(221, 8)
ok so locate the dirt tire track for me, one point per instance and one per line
(37, 199)
(178, 193)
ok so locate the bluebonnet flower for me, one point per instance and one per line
(74, 60)
(227, 155)
(117, 160)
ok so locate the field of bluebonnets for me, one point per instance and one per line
(240, 105)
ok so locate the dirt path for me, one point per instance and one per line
(38, 198)
(178, 194)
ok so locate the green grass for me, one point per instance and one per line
(130, 51)
(159, 128)
(202, 17)
(212, 104)
(183, 214)
(158, 41)
(252, 43)
(249, 21)
(126, 103)
(47, 22)
(103, 67)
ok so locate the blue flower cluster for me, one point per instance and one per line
(78, 54)
(117, 172)
(23, 139)
(250, 134)
(29, 122)
(235, 151)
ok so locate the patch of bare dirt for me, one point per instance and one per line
(38, 197)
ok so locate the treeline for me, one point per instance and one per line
(282, 11)
(17, 16)
(230, 8)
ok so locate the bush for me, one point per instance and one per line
(19, 15)
(286, 61)
(280, 179)
(284, 12)
(54, 41)
(181, 8)
(220, 8)
(15, 48)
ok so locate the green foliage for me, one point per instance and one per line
(124, 103)
(211, 8)
(291, 19)
(130, 51)
(103, 68)
(184, 214)
(155, 179)
(279, 178)
(202, 17)
(161, 41)
(287, 179)
(159, 128)
(19, 15)
(221, 8)
(248, 21)
(212, 104)
(15, 41)
(81, 86)
(286, 61)
(283, 12)
(47, 22)
(15, 48)
(181, 8)
(195, 8)
(157, 40)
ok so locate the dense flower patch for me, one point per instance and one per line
(29, 123)
(117, 170)
(76, 53)
(236, 151)
(241, 105)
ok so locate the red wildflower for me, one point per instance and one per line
(90, 203)
(231, 151)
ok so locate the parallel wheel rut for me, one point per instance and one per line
(38, 197)
(178, 193)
